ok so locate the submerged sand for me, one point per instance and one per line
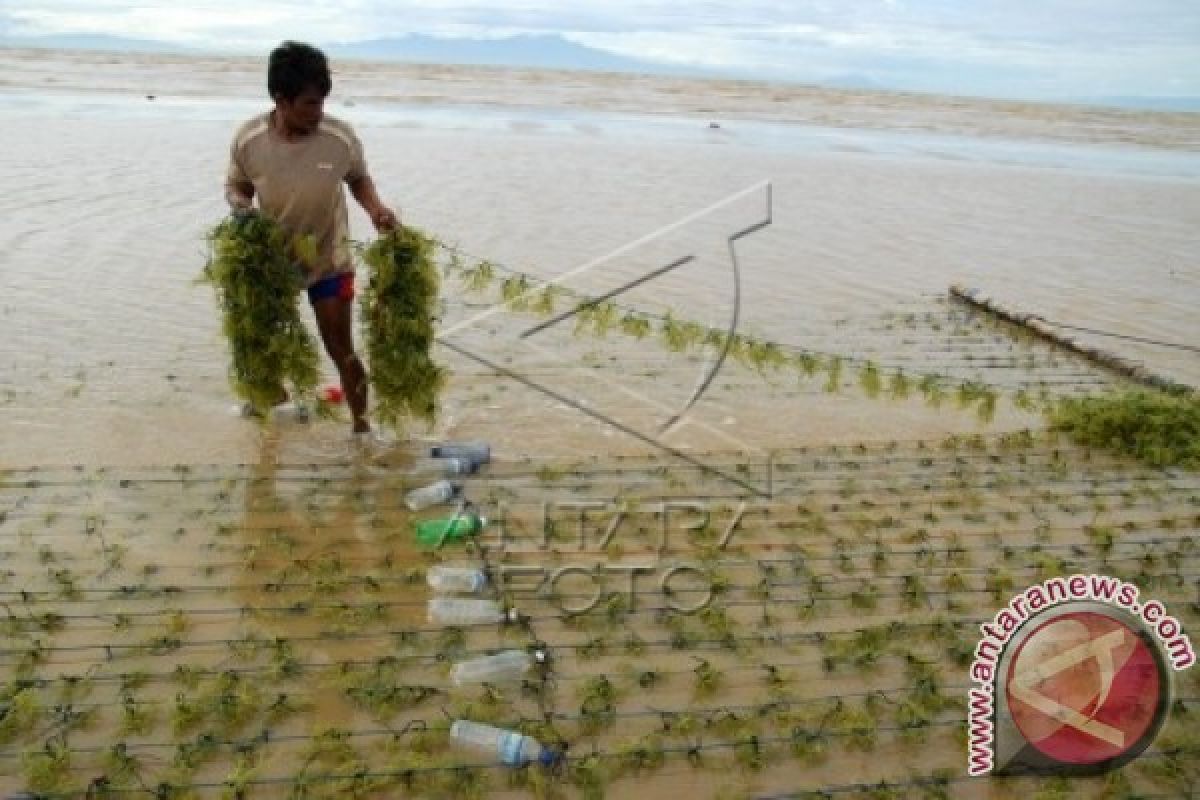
(112, 354)
(166, 532)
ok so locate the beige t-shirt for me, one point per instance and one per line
(299, 183)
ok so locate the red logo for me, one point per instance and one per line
(1084, 688)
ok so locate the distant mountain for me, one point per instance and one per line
(852, 81)
(88, 41)
(546, 51)
(1146, 103)
(554, 51)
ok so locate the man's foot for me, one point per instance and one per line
(373, 444)
(373, 438)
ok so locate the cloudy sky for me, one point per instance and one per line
(1024, 48)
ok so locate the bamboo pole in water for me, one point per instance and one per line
(1134, 371)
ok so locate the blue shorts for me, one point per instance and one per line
(340, 285)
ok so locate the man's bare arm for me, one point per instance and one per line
(382, 217)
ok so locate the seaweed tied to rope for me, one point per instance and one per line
(1159, 428)
(398, 312)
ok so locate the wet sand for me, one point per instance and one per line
(140, 74)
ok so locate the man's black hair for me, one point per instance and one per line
(295, 67)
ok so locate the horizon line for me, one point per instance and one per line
(1161, 103)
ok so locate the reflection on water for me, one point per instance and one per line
(324, 562)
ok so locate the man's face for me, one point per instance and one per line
(303, 114)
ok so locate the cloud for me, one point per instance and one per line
(1065, 46)
(204, 24)
(948, 57)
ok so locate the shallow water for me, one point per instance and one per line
(112, 354)
(626, 127)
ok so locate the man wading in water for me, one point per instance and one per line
(294, 159)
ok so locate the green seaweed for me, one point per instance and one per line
(871, 380)
(1158, 428)
(48, 770)
(252, 268)
(398, 309)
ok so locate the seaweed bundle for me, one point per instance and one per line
(1159, 428)
(251, 266)
(398, 315)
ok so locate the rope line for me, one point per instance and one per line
(1126, 337)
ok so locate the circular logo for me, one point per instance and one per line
(1085, 688)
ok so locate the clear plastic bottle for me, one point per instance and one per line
(434, 494)
(449, 579)
(477, 452)
(504, 667)
(511, 748)
(467, 611)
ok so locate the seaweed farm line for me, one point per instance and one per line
(918, 365)
(260, 630)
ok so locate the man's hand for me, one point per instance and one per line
(243, 213)
(240, 197)
(384, 219)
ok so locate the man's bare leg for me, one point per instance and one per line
(335, 322)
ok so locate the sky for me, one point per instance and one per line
(1017, 48)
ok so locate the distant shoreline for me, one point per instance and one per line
(530, 52)
(718, 99)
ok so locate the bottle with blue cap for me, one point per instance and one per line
(442, 467)
(476, 452)
(511, 748)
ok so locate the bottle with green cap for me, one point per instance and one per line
(436, 532)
